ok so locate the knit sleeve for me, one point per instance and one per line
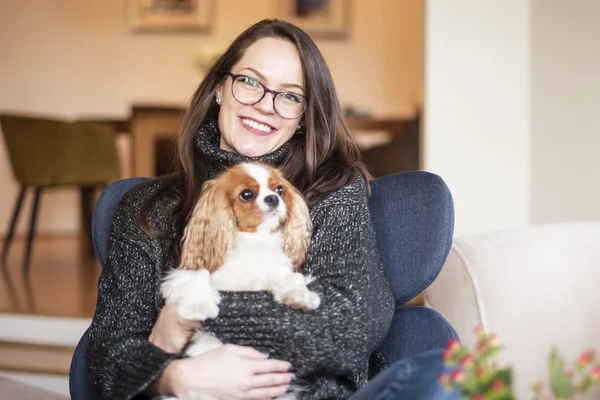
(122, 363)
(356, 302)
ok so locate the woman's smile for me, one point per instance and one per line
(257, 127)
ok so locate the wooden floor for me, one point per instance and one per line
(62, 280)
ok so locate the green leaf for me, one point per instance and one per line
(560, 384)
(505, 375)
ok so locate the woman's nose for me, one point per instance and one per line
(266, 104)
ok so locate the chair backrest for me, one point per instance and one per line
(52, 152)
(412, 213)
(413, 218)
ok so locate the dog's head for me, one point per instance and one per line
(250, 197)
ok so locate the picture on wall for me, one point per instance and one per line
(169, 15)
(319, 18)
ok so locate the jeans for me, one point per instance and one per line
(414, 378)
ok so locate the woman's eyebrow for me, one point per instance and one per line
(263, 78)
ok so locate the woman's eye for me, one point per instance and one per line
(247, 195)
(293, 97)
(279, 190)
(249, 81)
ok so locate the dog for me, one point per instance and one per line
(249, 231)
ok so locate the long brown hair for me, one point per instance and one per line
(325, 160)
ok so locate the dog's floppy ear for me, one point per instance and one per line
(297, 231)
(210, 230)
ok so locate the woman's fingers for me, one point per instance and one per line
(270, 380)
(266, 366)
(266, 393)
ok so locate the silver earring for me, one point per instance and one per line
(218, 100)
(298, 127)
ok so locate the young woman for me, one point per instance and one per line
(270, 98)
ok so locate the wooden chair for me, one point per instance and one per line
(50, 153)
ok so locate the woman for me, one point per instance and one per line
(269, 98)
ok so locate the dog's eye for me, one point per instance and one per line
(247, 195)
(279, 190)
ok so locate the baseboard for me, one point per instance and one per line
(57, 331)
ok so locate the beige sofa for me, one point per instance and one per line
(536, 287)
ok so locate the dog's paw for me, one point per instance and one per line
(198, 311)
(300, 299)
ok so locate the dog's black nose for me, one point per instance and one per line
(272, 201)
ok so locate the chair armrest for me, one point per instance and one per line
(415, 329)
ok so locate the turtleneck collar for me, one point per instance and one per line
(207, 141)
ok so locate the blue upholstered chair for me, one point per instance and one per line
(413, 216)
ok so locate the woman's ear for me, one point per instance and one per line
(209, 233)
(219, 93)
(297, 231)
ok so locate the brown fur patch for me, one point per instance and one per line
(210, 230)
(247, 214)
(297, 230)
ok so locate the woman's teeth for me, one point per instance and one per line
(256, 125)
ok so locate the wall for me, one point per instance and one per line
(71, 58)
(512, 103)
(565, 110)
(477, 109)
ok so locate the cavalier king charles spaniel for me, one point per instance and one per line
(249, 231)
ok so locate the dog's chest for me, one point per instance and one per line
(252, 263)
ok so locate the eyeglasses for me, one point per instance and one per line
(249, 91)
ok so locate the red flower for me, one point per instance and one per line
(467, 361)
(595, 374)
(478, 397)
(453, 345)
(586, 358)
(497, 386)
(458, 376)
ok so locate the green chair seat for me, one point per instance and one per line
(50, 153)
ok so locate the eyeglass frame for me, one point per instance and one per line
(265, 91)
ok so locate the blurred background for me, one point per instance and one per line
(499, 98)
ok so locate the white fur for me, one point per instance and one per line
(192, 293)
(256, 262)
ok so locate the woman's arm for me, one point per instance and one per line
(356, 302)
(122, 361)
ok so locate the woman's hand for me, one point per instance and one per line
(227, 373)
(171, 332)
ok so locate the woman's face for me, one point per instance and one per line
(255, 130)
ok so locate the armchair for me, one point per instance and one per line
(413, 217)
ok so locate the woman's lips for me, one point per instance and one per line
(257, 127)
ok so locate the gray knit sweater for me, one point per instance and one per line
(332, 348)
